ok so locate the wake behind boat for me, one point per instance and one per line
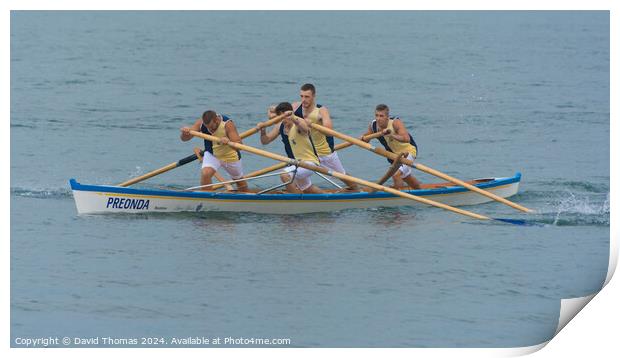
(100, 199)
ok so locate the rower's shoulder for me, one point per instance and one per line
(398, 123)
(228, 122)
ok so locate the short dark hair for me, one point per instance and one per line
(283, 107)
(308, 87)
(382, 107)
(208, 116)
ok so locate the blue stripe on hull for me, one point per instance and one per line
(284, 197)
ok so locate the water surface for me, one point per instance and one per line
(99, 96)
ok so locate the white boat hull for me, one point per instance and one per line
(90, 199)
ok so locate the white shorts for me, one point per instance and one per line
(332, 162)
(404, 169)
(234, 169)
(302, 178)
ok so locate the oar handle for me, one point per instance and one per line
(275, 120)
(322, 170)
(356, 141)
(347, 144)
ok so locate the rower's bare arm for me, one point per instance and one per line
(326, 120)
(185, 135)
(231, 132)
(401, 134)
(302, 124)
(268, 137)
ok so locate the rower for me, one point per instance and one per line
(294, 132)
(395, 139)
(324, 145)
(217, 154)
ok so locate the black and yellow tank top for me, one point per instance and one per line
(298, 146)
(220, 151)
(323, 144)
(391, 144)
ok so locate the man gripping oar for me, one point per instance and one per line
(396, 139)
(217, 154)
(295, 135)
(310, 110)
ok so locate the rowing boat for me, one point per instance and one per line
(100, 199)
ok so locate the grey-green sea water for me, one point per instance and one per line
(100, 97)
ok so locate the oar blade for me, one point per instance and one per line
(512, 221)
(518, 222)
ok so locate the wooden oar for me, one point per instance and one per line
(193, 157)
(393, 169)
(161, 170)
(340, 176)
(282, 165)
(394, 156)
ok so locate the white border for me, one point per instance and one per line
(594, 330)
(313, 5)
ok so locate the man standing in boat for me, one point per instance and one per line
(396, 139)
(295, 134)
(308, 109)
(218, 154)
